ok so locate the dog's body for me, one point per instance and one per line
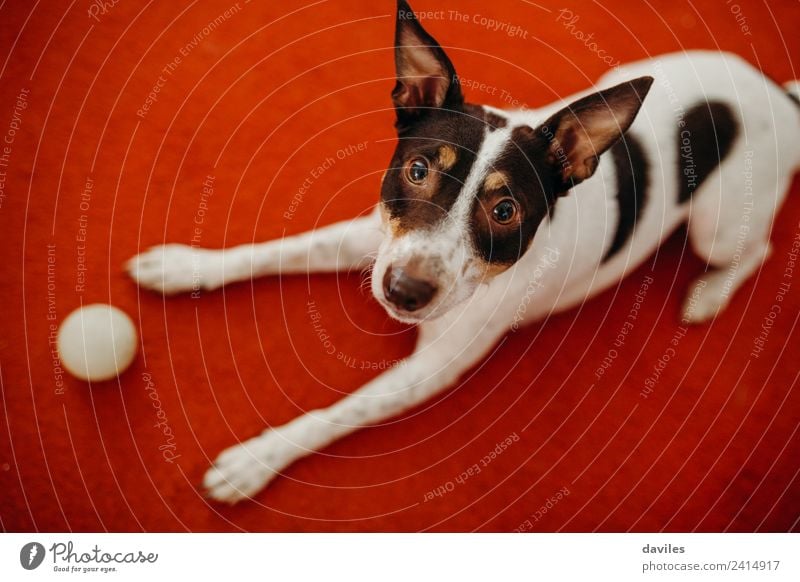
(467, 253)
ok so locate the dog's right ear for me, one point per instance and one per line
(425, 76)
(579, 133)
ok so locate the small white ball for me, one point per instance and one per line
(97, 342)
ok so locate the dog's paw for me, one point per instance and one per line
(176, 268)
(706, 298)
(243, 470)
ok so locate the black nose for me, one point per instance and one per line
(406, 292)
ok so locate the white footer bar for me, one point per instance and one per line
(401, 557)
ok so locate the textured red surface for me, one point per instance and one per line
(258, 103)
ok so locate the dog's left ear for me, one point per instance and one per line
(579, 133)
(425, 76)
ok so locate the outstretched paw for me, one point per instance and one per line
(176, 268)
(706, 298)
(243, 470)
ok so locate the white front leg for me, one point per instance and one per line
(176, 268)
(446, 349)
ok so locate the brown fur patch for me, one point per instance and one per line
(495, 181)
(494, 121)
(447, 157)
(394, 226)
(423, 206)
(526, 173)
(492, 270)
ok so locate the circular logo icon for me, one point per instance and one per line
(31, 555)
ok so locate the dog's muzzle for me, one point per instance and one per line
(405, 292)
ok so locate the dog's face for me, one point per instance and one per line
(466, 191)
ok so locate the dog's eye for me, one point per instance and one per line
(505, 211)
(417, 170)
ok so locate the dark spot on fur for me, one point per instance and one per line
(704, 141)
(632, 183)
(495, 121)
(419, 207)
(530, 182)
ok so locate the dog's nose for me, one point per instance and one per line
(406, 292)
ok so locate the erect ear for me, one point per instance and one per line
(580, 132)
(425, 76)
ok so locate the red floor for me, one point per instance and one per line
(260, 99)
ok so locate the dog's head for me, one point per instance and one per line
(466, 190)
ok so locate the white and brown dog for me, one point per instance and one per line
(489, 219)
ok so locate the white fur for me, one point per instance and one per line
(562, 267)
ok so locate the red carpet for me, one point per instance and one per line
(259, 97)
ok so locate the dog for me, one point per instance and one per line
(489, 219)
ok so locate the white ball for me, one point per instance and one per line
(97, 342)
